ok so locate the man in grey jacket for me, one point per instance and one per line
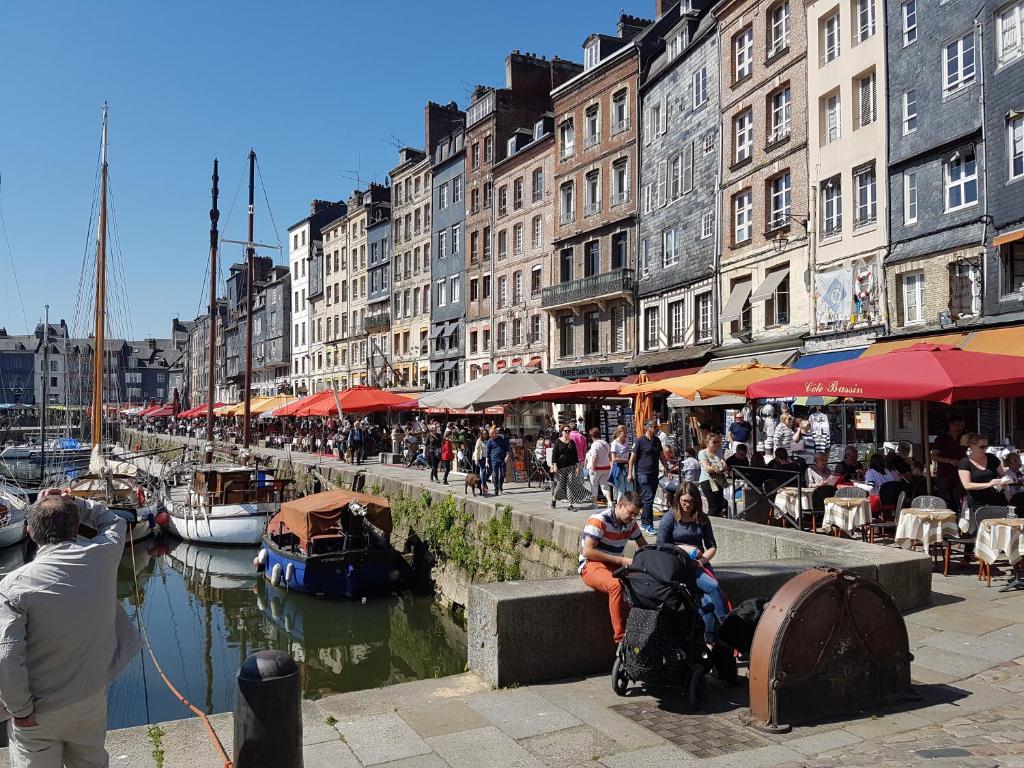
(63, 637)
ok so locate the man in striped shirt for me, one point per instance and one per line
(602, 549)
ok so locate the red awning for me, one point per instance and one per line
(535, 362)
(357, 400)
(151, 409)
(299, 407)
(933, 372)
(500, 364)
(198, 411)
(578, 392)
(159, 413)
(659, 375)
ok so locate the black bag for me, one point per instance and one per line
(659, 577)
(654, 649)
(738, 627)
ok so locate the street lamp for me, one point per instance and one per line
(780, 241)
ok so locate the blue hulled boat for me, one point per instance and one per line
(331, 543)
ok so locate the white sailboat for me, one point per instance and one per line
(13, 515)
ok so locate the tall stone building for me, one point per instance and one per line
(411, 284)
(447, 252)
(520, 325)
(679, 174)
(305, 239)
(271, 335)
(378, 298)
(336, 271)
(937, 169)
(590, 296)
(197, 351)
(763, 76)
(847, 160)
(492, 120)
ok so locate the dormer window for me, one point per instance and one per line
(538, 129)
(511, 147)
(591, 55)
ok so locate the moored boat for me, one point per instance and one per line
(13, 516)
(330, 543)
(118, 485)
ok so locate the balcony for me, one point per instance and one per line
(378, 322)
(567, 151)
(618, 198)
(592, 140)
(566, 217)
(618, 282)
(620, 126)
(592, 209)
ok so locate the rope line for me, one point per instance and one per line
(156, 664)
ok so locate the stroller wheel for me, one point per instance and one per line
(698, 687)
(620, 680)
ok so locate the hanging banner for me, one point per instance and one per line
(834, 298)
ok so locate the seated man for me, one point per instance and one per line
(849, 469)
(601, 554)
(740, 458)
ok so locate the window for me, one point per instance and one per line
(591, 127)
(474, 289)
(645, 257)
(709, 142)
(675, 45)
(592, 193)
(538, 185)
(1012, 257)
(648, 198)
(776, 306)
(831, 36)
(707, 225)
(565, 265)
(502, 339)
(620, 112)
(456, 196)
(743, 216)
(964, 289)
(474, 247)
(442, 196)
(485, 290)
(535, 281)
(742, 323)
(592, 55)
(517, 194)
(744, 133)
(653, 126)
(909, 111)
(909, 22)
(517, 331)
(620, 242)
(676, 324)
(743, 54)
(537, 240)
(591, 258)
(503, 200)
(912, 296)
(488, 148)
(961, 180)
(702, 317)
(959, 60)
(487, 243)
(831, 207)
(502, 244)
(909, 198)
(517, 239)
(618, 328)
(1010, 32)
(865, 19)
(1015, 146)
(781, 111)
(442, 243)
(502, 299)
(676, 177)
(440, 294)
(699, 87)
(651, 327)
(778, 28)
(567, 209)
(567, 139)
(866, 212)
(534, 334)
(670, 254)
(566, 332)
(454, 289)
(488, 193)
(866, 92)
(620, 182)
(833, 118)
(780, 200)
(456, 239)
(592, 333)
(472, 342)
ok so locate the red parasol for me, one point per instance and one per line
(300, 407)
(357, 400)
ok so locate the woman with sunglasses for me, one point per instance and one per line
(565, 461)
(981, 474)
(690, 530)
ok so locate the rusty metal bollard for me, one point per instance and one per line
(268, 712)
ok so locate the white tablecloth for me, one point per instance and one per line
(786, 501)
(927, 526)
(996, 537)
(846, 514)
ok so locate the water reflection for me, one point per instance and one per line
(206, 609)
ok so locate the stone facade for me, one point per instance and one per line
(923, 224)
(410, 302)
(197, 352)
(678, 231)
(271, 336)
(846, 139)
(378, 300)
(764, 176)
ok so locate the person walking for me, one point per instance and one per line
(498, 447)
(432, 446)
(643, 470)
(599, 466)
(447, 454)
(620, 459)
(63, 636)
(480, 459)
(565, 464)
(712, 475)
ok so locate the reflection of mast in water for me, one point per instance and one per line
(208, 642)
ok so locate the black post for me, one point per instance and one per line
(268, 712)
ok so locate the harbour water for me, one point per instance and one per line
(206, 609)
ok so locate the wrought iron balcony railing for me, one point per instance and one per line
(586, 289)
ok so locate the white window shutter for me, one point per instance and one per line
(662, 176)
(664, 114)
(688, 168)
(647, 125)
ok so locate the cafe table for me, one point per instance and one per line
(844, 514)
(789, 503)
(997, 537)
(927, 526)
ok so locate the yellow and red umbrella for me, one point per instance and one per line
(731, 380)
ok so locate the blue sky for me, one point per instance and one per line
(313, 86)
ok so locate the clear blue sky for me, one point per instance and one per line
(313, 86)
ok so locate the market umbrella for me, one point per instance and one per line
(161, 412)
(814, 400)
(264, 404)
(577, 392)
(295, 407)
(731, 380)
(643, 406)
(494, 389)
(198, 411)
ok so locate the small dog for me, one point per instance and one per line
(472, 481)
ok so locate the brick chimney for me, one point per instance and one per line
(661, 7)
(439, 121)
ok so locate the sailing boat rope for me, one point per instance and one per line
(215, 740)
(10, 258)
(266, 199)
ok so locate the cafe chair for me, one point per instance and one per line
(889, 494)
(881, 526)
(965, 540)
(851, 492)
(986, 513)
(928, 502)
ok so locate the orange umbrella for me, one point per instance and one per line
(643, 407)
(731, 380)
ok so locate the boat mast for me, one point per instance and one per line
(46, 395)
(250, 253)
(212, 330)
(101, 294)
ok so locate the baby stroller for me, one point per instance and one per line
(664, 642)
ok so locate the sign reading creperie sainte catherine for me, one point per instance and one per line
(589, 371)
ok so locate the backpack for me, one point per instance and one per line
(661, 576)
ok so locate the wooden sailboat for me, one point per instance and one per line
(114, 483)
(214, 503)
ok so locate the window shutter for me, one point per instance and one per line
(662, 175)
(867, 100)
(688, 168)
(664, 115)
